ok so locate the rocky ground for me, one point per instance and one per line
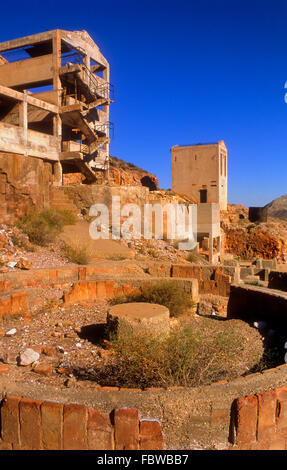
(48, 346)
(56, 343)
(16, 252)
(248, 240)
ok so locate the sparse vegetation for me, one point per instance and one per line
(193, 256)
(27, 246)
(42, 228)
(170, 294)
(191, 356)
(77, 253)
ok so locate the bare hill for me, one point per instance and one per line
(278, 207)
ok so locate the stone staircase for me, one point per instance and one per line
(60, 200)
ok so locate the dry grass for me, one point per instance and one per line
(77, 253)
(42, 228)
(168, 293)
(196, 353)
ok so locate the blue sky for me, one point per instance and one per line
(186, 72)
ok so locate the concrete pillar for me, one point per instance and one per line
(23, 121)
(87, 61)
(57, 86)
(211, 248)
(58, 174)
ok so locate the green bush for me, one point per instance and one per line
(42, 228)
(168, 293)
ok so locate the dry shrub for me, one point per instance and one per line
(168, 293)
(196, 353)
(42, 228)
(77, 253)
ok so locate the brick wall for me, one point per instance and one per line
(14, 304)
(88, 284)
(260, 421)
(28, 424)
(211, 280)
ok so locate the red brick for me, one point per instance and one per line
(109, 289)
(52, 425)
(151, 437)
(130, 389)
(19, 303)
(126, 422)
(92, 290)
(246, 419)
(4, 369)
(101, 289)
(278, 443)
(109, 389)
(10, 424)
(220, 382)
(5, 445)
(100, 431)
(53, 275)
(82, 274)
(30, 424)
(75, 427)
(281, 409)
(267, 406)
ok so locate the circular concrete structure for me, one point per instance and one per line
(140, 317)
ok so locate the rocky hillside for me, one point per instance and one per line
(252, 240)
(127, 174)
(278, 208)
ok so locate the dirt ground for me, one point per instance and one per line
(65, 337)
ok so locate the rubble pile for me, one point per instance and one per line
(13, 246)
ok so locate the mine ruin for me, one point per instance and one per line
(116, 344)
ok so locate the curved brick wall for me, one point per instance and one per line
(247, 412)
(29, 424)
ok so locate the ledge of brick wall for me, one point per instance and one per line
(260, 421)
(28, 424)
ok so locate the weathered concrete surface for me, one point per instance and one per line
(201, 167)
(258, 303)
(140, 317)
(24, 185)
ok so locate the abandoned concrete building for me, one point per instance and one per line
(54, 115)
(200, 172)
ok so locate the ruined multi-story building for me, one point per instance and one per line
(54, 114)
(200, 172)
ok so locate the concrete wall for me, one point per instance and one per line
(200, 167)
(38, 145)
(277, 280)
(257, 303)
(24, 185)
(27, 72)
